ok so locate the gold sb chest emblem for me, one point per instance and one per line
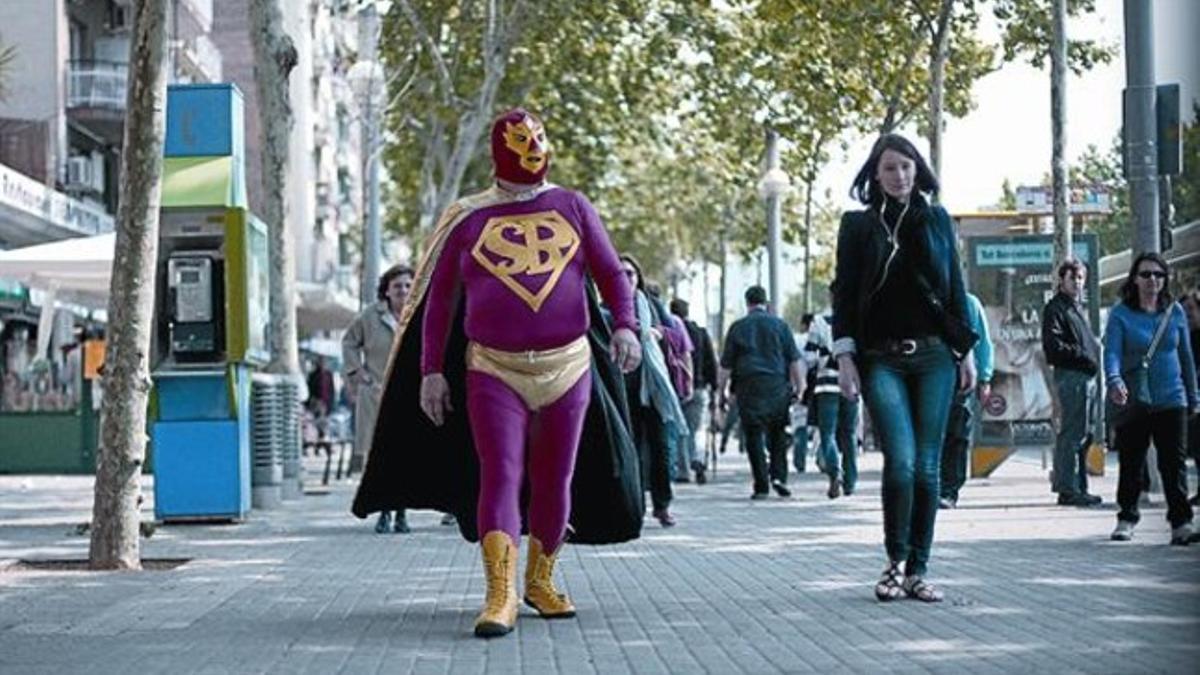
(527, 245)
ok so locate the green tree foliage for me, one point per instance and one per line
(1186, 188)
(1027, 33)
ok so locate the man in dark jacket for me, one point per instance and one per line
(761, 357)
(1071, 348)
(704, 380)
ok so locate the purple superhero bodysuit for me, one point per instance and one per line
(520, 267)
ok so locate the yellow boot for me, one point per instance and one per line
(499, 613)
(540, 592)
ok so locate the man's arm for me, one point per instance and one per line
(796, 373)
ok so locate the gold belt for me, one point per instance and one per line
(539, 377)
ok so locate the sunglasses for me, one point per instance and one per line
(1146, 274)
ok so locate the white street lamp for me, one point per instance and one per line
(771, 187)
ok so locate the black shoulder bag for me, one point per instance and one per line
(1137, 379)
(957, 333)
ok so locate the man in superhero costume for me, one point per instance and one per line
(501, 319)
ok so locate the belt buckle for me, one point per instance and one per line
(907, 347)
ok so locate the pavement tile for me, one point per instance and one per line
(773, 586)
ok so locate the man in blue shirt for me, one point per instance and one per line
(761, 358)
(965, 410)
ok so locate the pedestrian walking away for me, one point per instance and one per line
(964, 413)
(899, 316)
(837, 416)
(761, 363)
(504, 387)
(366, 346)
(704, 383)
(1073, 351)
(1151, 377)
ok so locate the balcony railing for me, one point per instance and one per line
(198, 60)
(97, 84)
(201, 11)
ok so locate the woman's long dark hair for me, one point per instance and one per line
(641, 280)
(866, 188)
(1129, 289)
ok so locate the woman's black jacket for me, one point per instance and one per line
(862, 251)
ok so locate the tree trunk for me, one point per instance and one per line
(122, 451)
(937, 83)
(274, 58)
(501, 32)
(1058, 129)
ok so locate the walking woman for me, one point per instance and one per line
(1151, 379)
(653, 404)
(365, 349)
(901, 338)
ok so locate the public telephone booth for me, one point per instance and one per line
(211, 319)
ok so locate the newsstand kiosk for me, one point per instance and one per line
(211, 314)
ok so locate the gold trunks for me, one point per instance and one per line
(539, 377)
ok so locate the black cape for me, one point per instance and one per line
(416, 465)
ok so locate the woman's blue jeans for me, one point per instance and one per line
(909, 398)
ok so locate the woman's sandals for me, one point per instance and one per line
(918, 589)
(891, 584)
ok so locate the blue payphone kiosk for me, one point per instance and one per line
(212, 316)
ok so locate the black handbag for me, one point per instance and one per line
(957, 333)
(1137, 380)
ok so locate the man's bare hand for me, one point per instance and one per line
(626, 350)
(435, 398)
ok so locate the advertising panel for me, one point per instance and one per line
(1013, 277)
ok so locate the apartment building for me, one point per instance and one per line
(62, 125)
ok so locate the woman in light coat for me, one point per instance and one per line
(366, 347)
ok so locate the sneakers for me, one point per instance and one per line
(947, 503)
(1124, 531)
(835, 488)
(757, 496)
(699, 468)
(780, 488)
(1082, 500)
(664, 517)
(1183, 535)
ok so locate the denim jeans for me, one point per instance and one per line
(837, 422)
(1070, 449)
(909, 400)
(689, 452)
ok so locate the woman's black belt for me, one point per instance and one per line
(903, 347)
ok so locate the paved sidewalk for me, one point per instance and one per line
(774, 586)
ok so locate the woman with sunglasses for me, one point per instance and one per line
(1147, 322)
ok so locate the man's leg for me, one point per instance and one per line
(827, 455)
(954, 450)
(753, 432)
(553, 443)
(1072, 387)
(498, 425)
(693, 411)
(847, 439)
(777, 442)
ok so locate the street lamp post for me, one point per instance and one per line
(367, 81)
(773, 185)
